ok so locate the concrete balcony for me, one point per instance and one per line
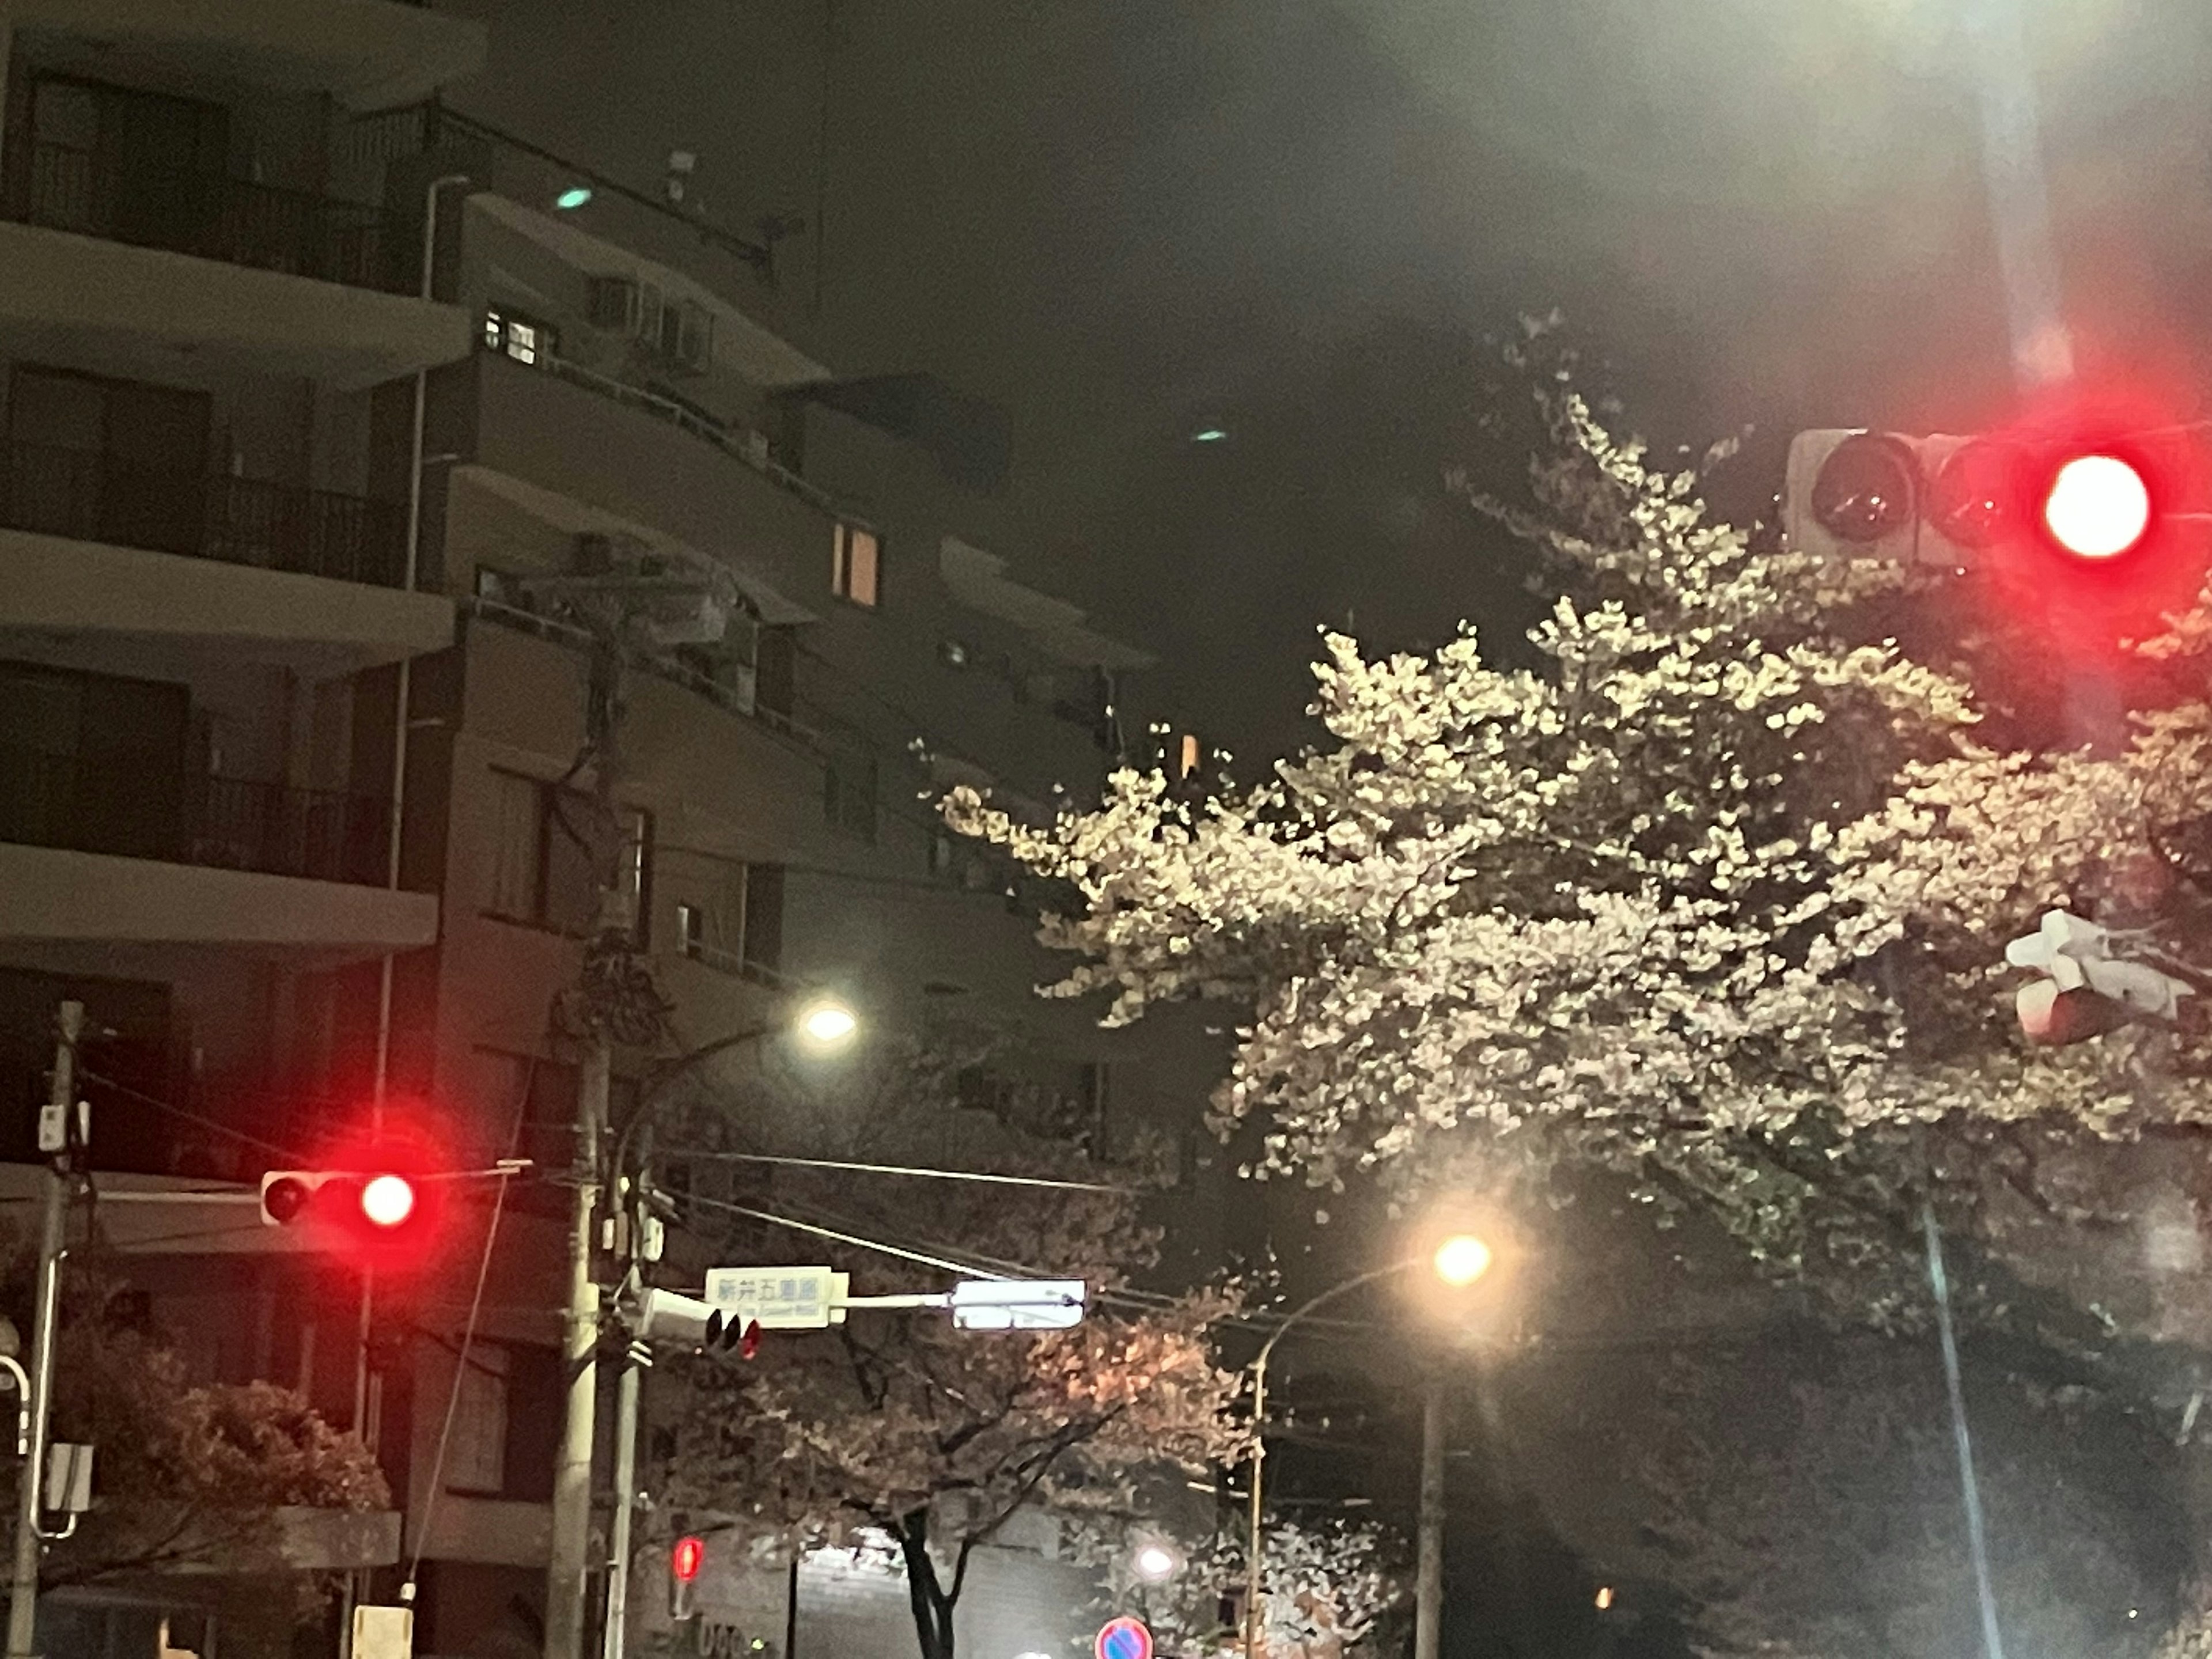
(221, 271)
(132, 875)
(118, 564)
(562, 430)
(370, 54)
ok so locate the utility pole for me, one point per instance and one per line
(568, 1570)
(54, 1135)
(1429, 1583)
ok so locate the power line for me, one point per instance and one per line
(916, 1170)
(179, 1112)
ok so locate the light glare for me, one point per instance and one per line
(1155, 1562)
(1462, 1258)
(388, 1200)
(572, 197)
(2099, 506)
(827, 1024)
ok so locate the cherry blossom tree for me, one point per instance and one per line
(1332, 1588)
(188, 1475)
(1715, 894)
(1711, 894)
(896, 1426)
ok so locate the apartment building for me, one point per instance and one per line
(319, 400)
(207, 319)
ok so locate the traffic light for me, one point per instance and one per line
(380, 1211)
(685, 1558)
(671, 1316)
(2086, 990)
(1957, 502)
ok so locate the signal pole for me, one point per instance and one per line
(1428, 1579)
(54, 1134)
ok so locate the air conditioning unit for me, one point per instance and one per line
(625, 305)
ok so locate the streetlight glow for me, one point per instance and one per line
(1155, 1563)
(827, 1024)
(1462, 1258)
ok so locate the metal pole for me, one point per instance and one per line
(1252, 1539)
(1253, 1573)
(568, 1568)
(403, 694)
(1429, 1584)
(627, 1388)
(23, 1586)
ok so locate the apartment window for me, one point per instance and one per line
(522, 338)
(542, 871)
(739, 928)
(856, 555)
(477, 1458)
(848, 794)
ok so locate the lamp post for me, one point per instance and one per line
(1458, 1262)
(825, 1023)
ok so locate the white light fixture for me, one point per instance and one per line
(1462, 1258)
(572, 197)
(827, 1024)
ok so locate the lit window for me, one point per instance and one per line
(1187, 756)
(855, 554)
(519, 337)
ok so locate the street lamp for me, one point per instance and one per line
(1459, 1261)
(1154, 1563)
(827, 1022)
(824, 1023)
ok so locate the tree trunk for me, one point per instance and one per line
(931, 1601)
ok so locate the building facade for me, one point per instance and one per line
(322, 405)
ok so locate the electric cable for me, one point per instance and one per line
(917, 1171)
(468, 1339)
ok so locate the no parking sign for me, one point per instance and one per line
(1123, 1638)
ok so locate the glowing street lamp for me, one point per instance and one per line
(1461, 1260)
(1458, 1262)
(1154, 1563)
(827, 1024)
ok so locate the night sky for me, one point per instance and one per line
(1129, 221)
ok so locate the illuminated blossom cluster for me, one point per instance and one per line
(1719, 894)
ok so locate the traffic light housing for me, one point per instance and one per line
(2086, 990)
(385, 1213)
(685, 1558)
(671, 1316)
(2090, 497)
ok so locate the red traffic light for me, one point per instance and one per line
(685, 1559)
(2097, 505)
(387, 1200)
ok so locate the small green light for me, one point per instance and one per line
(1211, 435)
(572, 197)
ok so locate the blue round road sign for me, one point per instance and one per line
(1124, 1639)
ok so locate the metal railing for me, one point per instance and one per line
(206, 214)
(741, 444)
(89, 496)
(58, 799)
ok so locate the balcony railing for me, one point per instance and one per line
(89, 496)
(206, 214)
(63, 799)
(741, 444)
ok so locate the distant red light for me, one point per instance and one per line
(2097, 507)
(387, 1200)
(687, 1558)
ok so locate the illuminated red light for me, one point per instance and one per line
(387, 1199)
(686, 1558)
(2097, 507)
